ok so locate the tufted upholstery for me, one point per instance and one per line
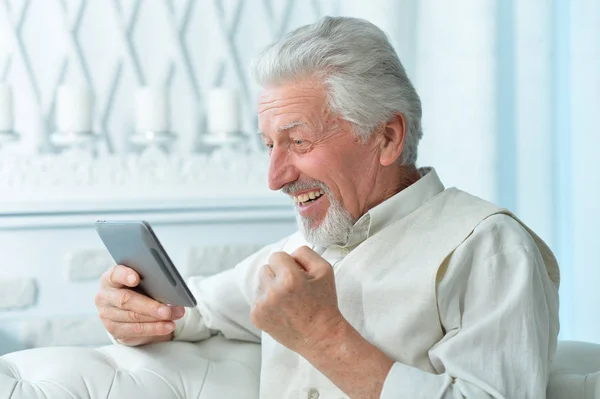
(212, 369)
(216, 368)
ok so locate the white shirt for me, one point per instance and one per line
(498, 308)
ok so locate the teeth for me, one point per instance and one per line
(306, 196)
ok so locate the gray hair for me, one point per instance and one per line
(366, 82)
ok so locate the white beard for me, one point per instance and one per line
(336, 225)
(334, 229)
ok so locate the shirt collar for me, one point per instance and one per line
(396, 207)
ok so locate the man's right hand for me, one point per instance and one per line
(130, 317)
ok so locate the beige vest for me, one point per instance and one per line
(390, 296)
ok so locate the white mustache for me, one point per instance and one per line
(305, 185)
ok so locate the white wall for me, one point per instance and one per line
(51, 263)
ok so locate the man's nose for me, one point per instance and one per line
(281, 170)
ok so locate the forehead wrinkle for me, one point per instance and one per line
(269, 105)
(286, 127)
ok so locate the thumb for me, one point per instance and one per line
(310, 261)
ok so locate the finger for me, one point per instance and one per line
(282, 263)
(267, 272)
(123, 331)
(266, 276)
(127, 316)
(310, 261)
(127, 299)
(119, 276)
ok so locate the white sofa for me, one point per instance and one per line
(213, 369)
(216, 368)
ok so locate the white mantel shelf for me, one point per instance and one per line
(76, 187)
(133, 205)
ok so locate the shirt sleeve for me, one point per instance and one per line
(225, 301)
(499, 311)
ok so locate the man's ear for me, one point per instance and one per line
(392, 143)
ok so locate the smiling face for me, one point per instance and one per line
(317, 159)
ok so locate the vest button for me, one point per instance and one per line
(313, 393)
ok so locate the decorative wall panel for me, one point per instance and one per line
(115, 46)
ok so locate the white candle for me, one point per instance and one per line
(6, 108)
(151, 110)
(223, 111)
(74, 109)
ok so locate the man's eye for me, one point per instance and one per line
(269, 146)
(298, 142)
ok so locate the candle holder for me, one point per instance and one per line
(86, 140)
(150, 138)
(237, 141)
(8, 136)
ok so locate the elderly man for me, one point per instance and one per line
(394, 286)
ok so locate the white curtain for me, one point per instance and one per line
(511, 98)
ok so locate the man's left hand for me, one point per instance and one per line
(297, 300)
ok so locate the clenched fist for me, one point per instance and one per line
(130, 317)
(297, 300)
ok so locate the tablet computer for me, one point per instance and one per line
(134, 244)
